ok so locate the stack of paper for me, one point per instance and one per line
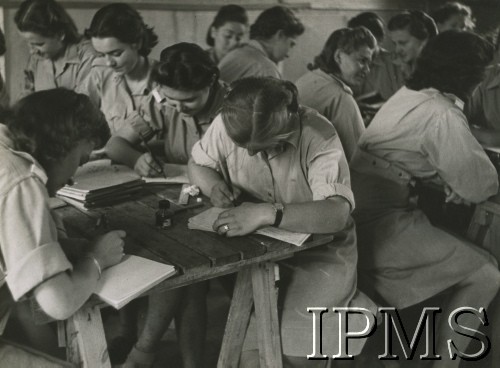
(205, 220)
(130, 278)
(99, 183)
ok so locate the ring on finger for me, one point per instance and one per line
(226, 228)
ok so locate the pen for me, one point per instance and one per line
(152, 155)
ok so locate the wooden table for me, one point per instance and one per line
(198, 256)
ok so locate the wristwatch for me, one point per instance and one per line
(278, 211)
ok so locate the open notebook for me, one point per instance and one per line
(205, 220)
(130, 278)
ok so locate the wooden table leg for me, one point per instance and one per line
(266, 313)
(237, 321)
(85, 341)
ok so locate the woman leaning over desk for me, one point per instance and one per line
(181, 109)
(422, 134)
(120, 78)
(49, 134)
(59, 56)
(290, 158)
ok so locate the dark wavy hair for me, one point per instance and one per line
(274, 19)
(369, 20)
(47, 124)
(449, 9)
(419, 24)
(227, 13)
(452, 62)
(345, 39)
(124, 23)
(46, 18)
(257, 112)
(185, 66)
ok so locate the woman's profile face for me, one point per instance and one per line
(121, 57)
(406, 46)
(355, 66)
(227, 37)
(61, 171)
(45, 47)
(186, 102)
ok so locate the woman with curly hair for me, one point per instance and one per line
(120, 78)
(421, 134)
(47, 136)
(344, 63)
(60, 57)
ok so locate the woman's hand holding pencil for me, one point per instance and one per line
(223, 195)
(147, 165)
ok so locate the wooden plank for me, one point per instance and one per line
(212, 248)
(143, 238)
(237, 321)
(86, 341)
(266, 312)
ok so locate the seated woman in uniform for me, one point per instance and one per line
(422, 134)
(120, 79)
(289, 157)
(47, 136)
(272, 36)
(343, 64)
(385, 77)
(226, 31)
(181, 109)
(59, 56)
(410, 31)
(453, 15)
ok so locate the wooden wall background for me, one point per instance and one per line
(188, 20)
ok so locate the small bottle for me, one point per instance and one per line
(164, 214)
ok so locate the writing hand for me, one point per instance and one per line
(221, 196)
(147, 166)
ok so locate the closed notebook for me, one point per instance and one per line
(130, 278)
(205, 220)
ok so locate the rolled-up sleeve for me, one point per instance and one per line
(211, 150)
(28, 238)
(328, 171)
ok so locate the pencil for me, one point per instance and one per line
(152, 155)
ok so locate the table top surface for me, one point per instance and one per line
(197, 255)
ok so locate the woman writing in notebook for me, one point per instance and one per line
(289, 157)
(179, 111)
(59, 56)
(120, 79)
(49, 134)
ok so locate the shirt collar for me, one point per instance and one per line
(6, 142)
(336, 79)
(257, 45)
(71, 54)
(145, 87)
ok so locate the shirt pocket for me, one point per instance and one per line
(115, 116)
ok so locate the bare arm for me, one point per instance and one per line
(63, 294)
